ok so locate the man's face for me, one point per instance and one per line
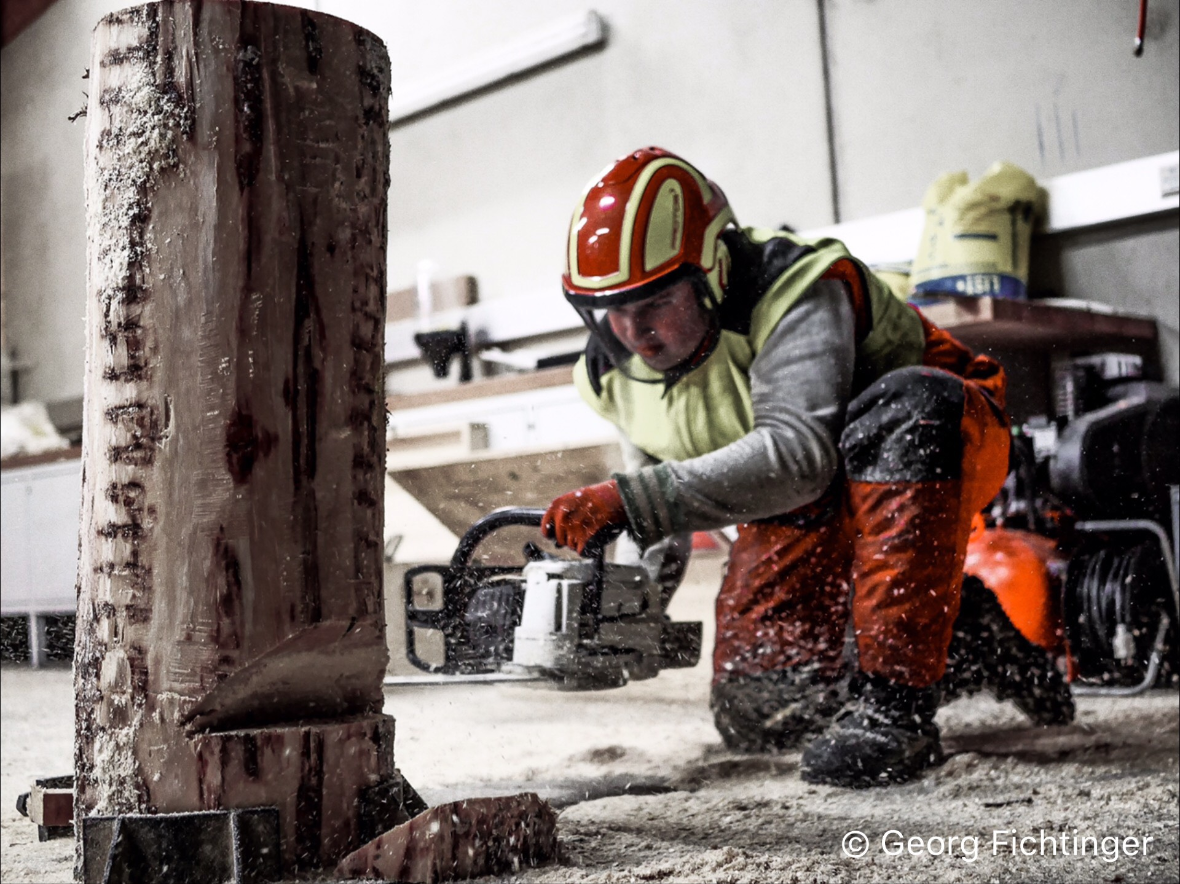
(664, 329)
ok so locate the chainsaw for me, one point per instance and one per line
(578, 623)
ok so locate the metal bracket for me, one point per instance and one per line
(1149, 677)
(1169, 551)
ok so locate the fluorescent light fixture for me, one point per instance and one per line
(540, 46)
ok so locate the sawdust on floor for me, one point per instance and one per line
(719, 817)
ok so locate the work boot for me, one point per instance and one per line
(988, 653)
(886, 735)
(775, 711)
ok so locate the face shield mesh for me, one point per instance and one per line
(594, 311)
(597, 321)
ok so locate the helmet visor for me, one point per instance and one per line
(595, 311)
(597, 321)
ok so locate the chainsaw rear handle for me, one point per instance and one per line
(529, 516)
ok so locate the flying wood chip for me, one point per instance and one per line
(464, 839)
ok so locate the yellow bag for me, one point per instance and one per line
(896, 276)
(977, 235)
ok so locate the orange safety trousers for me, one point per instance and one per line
(923, 450)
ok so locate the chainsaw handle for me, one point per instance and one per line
(492, 522)
(523, 515)
(596, 546)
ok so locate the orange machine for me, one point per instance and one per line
(1025, 571)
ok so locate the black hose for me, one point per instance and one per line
(1103, 589)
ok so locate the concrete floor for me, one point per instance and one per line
(1115, 773)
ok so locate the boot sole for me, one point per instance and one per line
(903, 772)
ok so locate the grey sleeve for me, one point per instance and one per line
(666, 560)
(800, 383)
(634, 457)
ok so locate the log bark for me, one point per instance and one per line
(231, 640)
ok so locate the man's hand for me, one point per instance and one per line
(574, 519)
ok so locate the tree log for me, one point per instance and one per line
(231, 641)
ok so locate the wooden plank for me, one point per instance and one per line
(1120, 192)
(435, 445)
(999, 323)
(33, 460)
(51, 808)
(459, 493)
(1002, 323)
(497, 386)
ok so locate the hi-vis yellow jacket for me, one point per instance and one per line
(707, 429)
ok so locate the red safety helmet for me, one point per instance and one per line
(647, 222)
(646, 216)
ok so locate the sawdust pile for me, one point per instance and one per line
(648, 794)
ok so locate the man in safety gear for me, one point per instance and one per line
(775, 383)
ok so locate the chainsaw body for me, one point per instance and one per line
(575, 623)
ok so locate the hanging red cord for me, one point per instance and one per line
(1142, 27)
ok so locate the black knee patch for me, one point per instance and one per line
(906, 427)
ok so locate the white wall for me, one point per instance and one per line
(486, 186)
(734, 87)
(43, 217)
(923, 86)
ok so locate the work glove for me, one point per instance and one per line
(593, 512)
